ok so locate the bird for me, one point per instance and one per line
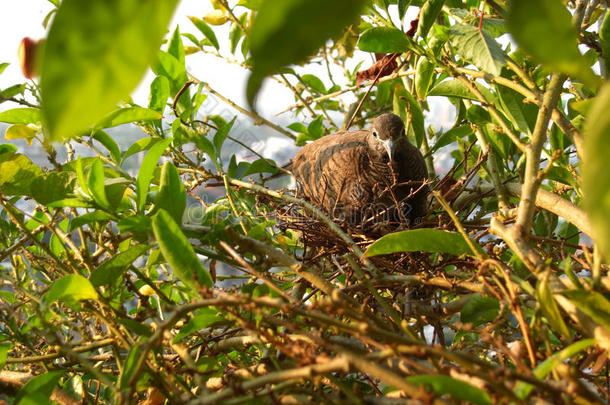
(371, 180)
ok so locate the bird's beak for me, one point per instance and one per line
(389, 146)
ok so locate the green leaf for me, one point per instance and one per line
(593, 304)
(314, 83)
(407, 107)
(455, 88)
(8, 148)
(90, 217)
(544, 29)
(53, 186)
(140, 145)
(289, 31)
(130, 366)
(167, 65)
(415, 240)
(72, 287)
(4, 349)
(604, 36)
(424, 73)
(21, 116)
(203, 318)
(109, 143)
(3, 66)
(178, 251)
(145, 175)
(384, 40)
(522, 390)
(127, 115)
(427, 15)
(221, 135)
(455, 133)
(549, 308)
(95, 183)
(521, 114)
(595, 173)
(478, 47)
(106, 55)
(113, 268)
(172, 196)
(17, 172)
(206, 30)
(176, 47)
(38, 389)
(442, 384)
(21, 131)
(159, 93)
(403, 5)
(479, 310)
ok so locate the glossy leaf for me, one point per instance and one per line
(113, 48)
(478, 47)
(593, 304)
(455, 88)
(130, 366)
(415, 240)
(17, 172)
(149, 163)
(205, 30)
(289, 31)
(596, 176)
(171, 196)
(21, 116)
(109, 143)
(21, 131)
(159, 93)
(38, 389)
(53, 186)
(424, 73)
(544, 29)
(442, 384)
(221, 135)
(384, 40)
(127, 115)
(521, 114)
(427, 15)
(549, 308)
(202, 319)
(72, 287)
(114, 267)
(95, 183)
(522, 390)
(178, 252)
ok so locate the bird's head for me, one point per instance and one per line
(388, 129)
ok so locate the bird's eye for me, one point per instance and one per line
(375, 134)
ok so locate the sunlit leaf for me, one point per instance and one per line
(95, 183)
(442, 384)
(146, 171)
(544, 29)
(171, 196)
(384, 40)
(89, 64)
(127, 115)
(178, 252)
(21, 131)
(595, 173)
(114, 267)
(522, 389)
(38, 389)
(205, 30)
(21, 116)
(426, 240)
(478, 47)
(72, 287)
(427, 15)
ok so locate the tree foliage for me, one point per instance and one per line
(112, 293)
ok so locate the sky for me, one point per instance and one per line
(21, 18)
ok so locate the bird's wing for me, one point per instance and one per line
(328, 170)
